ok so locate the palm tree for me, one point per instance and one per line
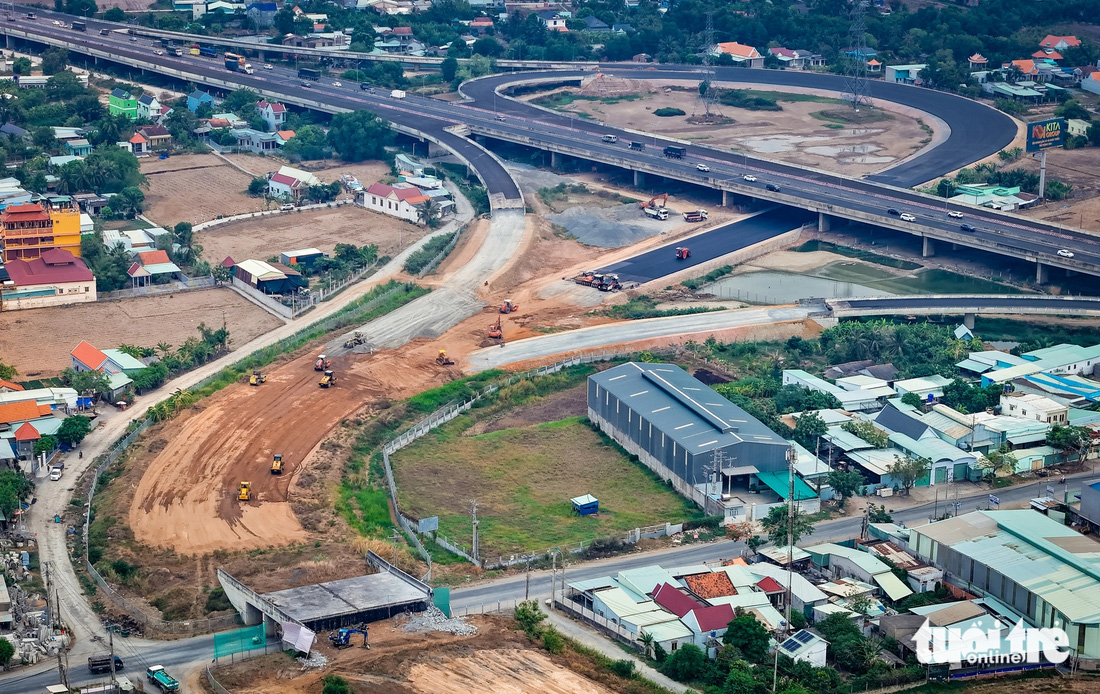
(427, 213)
(164, 348)
(647, 643)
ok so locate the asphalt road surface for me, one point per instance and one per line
(713, 244)
(1052, 304)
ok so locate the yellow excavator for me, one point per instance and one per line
(245, 492)
(277, 464)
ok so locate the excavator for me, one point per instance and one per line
(328, 379)
(495, 332)
(342, 637)
(257, 378)
(277, 464)
(245, 492)
(322, 363)
(509, 306)
(652, 202)
(443, 360)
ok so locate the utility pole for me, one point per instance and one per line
(473, 514)
(527, 582)
(111, 643)
(792, 455)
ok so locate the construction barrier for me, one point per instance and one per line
(240, 641)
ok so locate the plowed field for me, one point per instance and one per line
(187, 498)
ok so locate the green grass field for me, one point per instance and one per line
(523, 479)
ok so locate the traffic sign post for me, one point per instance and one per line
(994, 500)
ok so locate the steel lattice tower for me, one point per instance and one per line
(855, 73)
(709, 98)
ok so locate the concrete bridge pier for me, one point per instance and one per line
(555, 160)
(8, 42)
(929, 248)
(968, 320)
(1040, 272)
(824, 222)
(639, 179)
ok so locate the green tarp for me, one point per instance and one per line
(238, 641)
(779, 482)
(441, 598)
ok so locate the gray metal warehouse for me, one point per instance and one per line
(674, 423)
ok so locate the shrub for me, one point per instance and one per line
(418, 260)
(528, 616)
(623, 668)
(669, 112)
(332, 684)
(552, 640)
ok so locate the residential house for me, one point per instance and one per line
(156, 136)
(118, 365)
(13, 132)
(1037, 407)
(1059, 359)
(863, 54)
(56, 278)
(197, 98)
(138, 144)
(1059, 43)
(1047, 55)
(904, 74)
(273, 114)
(262, 14)
(78, 148)
(288, 183)
(1031, 566)
(479, 26)
(805, 647)
(268, 278)
(284, 136)
(621, 28)
(256, 141)
(854, 400)
(1091, 83)
(841, 562)
(394, 201)
(32, 81)
(745, 56)
(595, 25)
(928, 389)
(152, 267)
(552, 19)
(148, 107)
(121, 102)
(29, 230)
(1077, 127)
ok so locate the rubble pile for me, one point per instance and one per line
(433, 619)
(314, 660)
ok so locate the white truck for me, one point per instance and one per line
(56, 471)
(248, 70)
(660, 213)
(398, 93)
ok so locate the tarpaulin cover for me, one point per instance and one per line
(238, 641)
(297, 637)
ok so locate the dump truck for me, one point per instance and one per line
(673, 152)
(321, 364)
(308, 73)
(509, 306)
(443, 359)
(660, 213)
(355, 340)
(257, 378)
(328, 379)
(637, 146)
(699, 215)
(102, 663)
(277, 464)
(163, 681)
(245, 491)
(683, 253)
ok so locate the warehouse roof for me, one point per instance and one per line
(685, 409)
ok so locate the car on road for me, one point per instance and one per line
(968, 227)
(750, 178)
(268, 67)
(305, 85)
(133, 39)
(1065, 254)
(773, 187)
(56, 23)
(337, 84)
(159, 52)
(893, 211)
(906, 217)
(955, 214)
(500, 118)
(286, 208)
(702, 167)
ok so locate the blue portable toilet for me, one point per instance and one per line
(586, 505)
(26, 559)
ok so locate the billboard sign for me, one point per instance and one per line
(427, 525)
(1045, 134)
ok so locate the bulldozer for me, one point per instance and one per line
(277, 464)
(355, 340)
(443, 360)
(328, 379)
(245, 492)
(509, 306)
(257, 378)
(495, 332)
(322, 363)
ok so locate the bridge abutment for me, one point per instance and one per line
(1040, 272)
(929, 248)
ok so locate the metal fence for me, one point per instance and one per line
(215, 684)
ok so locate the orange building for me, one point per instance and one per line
(29, 230)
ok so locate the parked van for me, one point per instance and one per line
(56, 471)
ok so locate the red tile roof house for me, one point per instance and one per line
(55, 279)
(273, 114)
(15, 421)
(112, 362)
(1059, 43)
(396, 202)
(283, 186)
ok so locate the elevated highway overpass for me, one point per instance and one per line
(976, 132)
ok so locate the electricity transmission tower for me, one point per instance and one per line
(855, 74)
(708, 95)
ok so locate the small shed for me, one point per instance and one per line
(586, 505)
(303, 256)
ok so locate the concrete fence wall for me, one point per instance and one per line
(256, 296)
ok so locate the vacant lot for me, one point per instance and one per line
(322, 229)
(809, 130)
(144, 321)
(195, 188)
(523, 479)
(1077, 167)
(327, 170)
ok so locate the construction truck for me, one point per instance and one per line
(608, 283)
(163, 681)
(655, 206)
(509, 306)
(674, 152)
(257, 378)
(660, 213)
(355, 340)
(683, 253)
(245, 492)
(322, 363)
(699, 215)
(443, 359)
(328, 379)
(277, 464)
(342, 637)
(495, 331)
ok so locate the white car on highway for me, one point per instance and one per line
(906, 217)
(955, 214)
(1065, 254)
(749, 177)
(702, 167)
(337, 84)
(268, 67)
